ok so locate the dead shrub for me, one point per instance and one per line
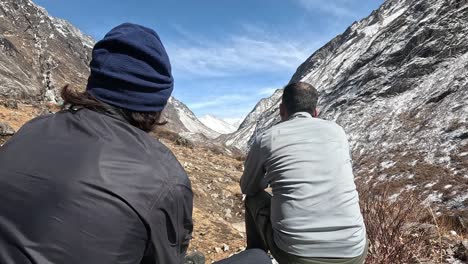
(394, 229)
(455, 220)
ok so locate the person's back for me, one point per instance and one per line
(315, 205)
(87, 187)
(314, 212)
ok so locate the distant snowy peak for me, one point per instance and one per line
(217, 124)
(264, 114)
(236, 122)
(183, 121)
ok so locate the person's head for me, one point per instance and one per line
(298, 97)
(131, 71)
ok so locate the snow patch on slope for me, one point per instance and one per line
(217, 124)
(190, 121)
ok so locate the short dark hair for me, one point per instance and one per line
(146, 121)
(300, 97)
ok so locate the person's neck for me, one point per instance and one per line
(300, 114)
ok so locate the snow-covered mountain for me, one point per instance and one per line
(397, 81)
(256, 121)
(217, 124)
(183, 121)
(236, 122)
(39, 54)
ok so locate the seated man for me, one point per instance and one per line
(313, 216)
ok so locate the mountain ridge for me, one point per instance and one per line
(254, 123)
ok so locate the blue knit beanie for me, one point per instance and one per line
(130, 69)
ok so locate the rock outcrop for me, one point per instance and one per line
(39, 53)
(6, 129)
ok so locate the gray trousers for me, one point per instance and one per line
(260, 235)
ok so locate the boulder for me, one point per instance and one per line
(6, 130)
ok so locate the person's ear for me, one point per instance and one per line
(316, 112)
(283, 113)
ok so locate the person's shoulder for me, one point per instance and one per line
(329, 123)
(41, 118)
(266, 134)
(333, 127)
(167, 161)
(37, 123)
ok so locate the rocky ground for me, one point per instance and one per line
(218, 216)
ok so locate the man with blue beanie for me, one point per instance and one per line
(89, 184)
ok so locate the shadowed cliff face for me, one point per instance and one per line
(397, 82)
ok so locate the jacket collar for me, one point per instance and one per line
(106, 109)
(300, 115)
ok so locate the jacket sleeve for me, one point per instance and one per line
(252, 180)
(171, 229)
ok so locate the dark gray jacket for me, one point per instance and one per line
(86, 187)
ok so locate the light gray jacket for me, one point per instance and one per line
(315, 206)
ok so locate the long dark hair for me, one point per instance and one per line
(146, 121)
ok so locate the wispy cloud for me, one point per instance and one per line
(232, 99)
(218, 101)
(232, 55)
(338, 8)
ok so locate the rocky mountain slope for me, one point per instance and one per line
(39, 54)
(217, 124)
(260, 118)
(397, 81)
(183, 121)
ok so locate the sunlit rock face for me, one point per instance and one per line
(39, 54)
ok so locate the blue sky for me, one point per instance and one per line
(226, 55)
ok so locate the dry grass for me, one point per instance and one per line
(394, 229)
